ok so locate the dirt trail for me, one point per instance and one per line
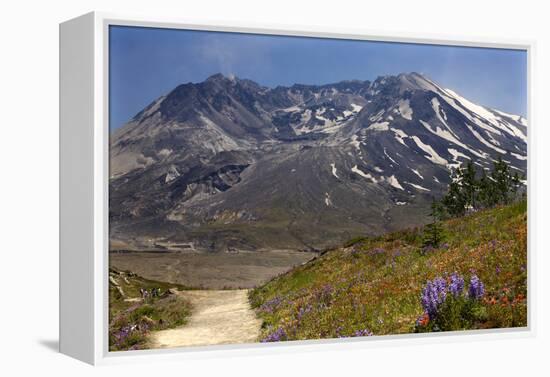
(218, 317)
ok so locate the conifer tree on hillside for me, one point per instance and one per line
(502, 181)
(433, 232)
(470, 185)
(467, 192)
(455, 200)
(487, 197)
(516, 184)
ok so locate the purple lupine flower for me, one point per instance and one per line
(433, 295)
(441, 285)
(121, 335)
(497, 269)
(477, 289)
(456, 285)
(304, 310)
(324, 295)
(364, 332)
(275, 336)
(271, 305)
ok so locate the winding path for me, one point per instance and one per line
(218, 317)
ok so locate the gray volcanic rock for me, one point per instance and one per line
(227, 163)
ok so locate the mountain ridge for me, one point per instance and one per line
(228, 163)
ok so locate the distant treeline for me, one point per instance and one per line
(471, 190)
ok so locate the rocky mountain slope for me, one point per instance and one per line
(228, 164)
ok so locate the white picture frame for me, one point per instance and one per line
(84, 135)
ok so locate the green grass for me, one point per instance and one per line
(132, 318)
(375, 283)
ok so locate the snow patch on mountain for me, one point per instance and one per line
(517, 118)
(328, 201)
(417, 173)
(456, 154)
(347, 113)
(356, 108)
(400, 135)
(418, 187)
(356, 170)
(449, 137)
(493, 117)
(405, 109)
(355, 142)
(306, 116)
(485, 142)
(383, 126)
(476, 109)
(432, 154)
(172, 174)
(517, 132)
(463, 106)
(506, 126)
(291, 109)
(436, 106)
(388, 156)
(327, 122)
(394, 182)
(518, 156)
(492, 140)
(334, 170)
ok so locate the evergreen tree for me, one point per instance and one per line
(516, 184)
(486, 191)
(502, 182)
(433, 232)
(469, 185)
(455, 200)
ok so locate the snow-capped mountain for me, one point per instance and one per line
(229, 163)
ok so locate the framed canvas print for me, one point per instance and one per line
(228, 187)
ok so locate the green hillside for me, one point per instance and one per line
(374, 285)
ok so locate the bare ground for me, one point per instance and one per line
(218, 317)
(210, 270)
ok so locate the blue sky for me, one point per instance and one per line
(146, 63)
